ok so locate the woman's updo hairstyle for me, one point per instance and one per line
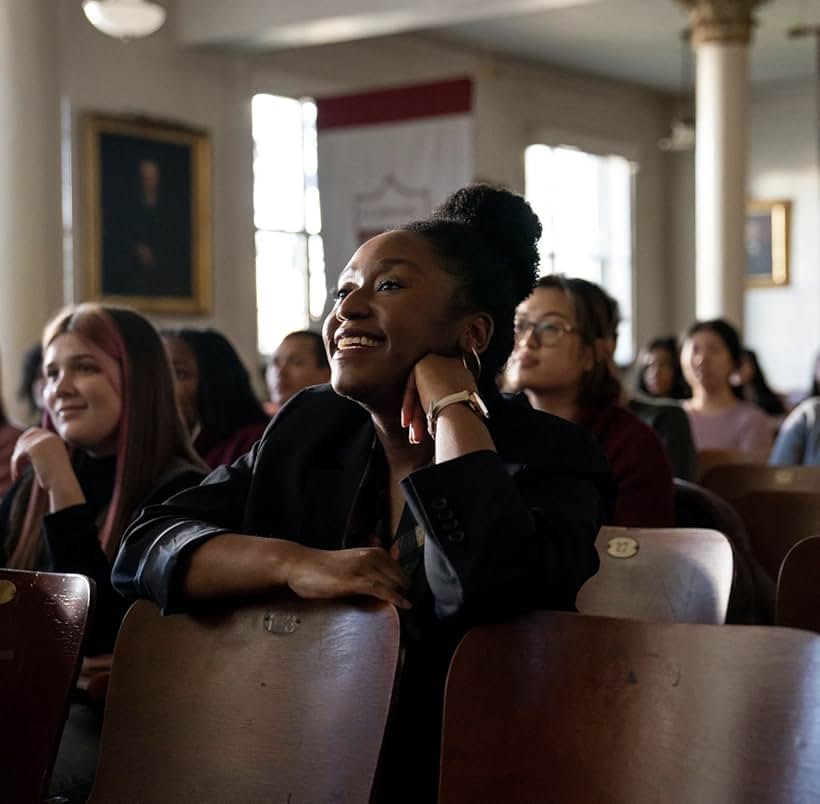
(488, 238)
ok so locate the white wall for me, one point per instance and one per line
(783, 324)
(155, 78)
(515, 103)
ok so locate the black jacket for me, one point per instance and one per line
(503, 533)
(527, 516)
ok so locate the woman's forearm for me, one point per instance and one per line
(236, 565)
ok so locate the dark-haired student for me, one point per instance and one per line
(660, 374)
(562, 361)
(8, 438)
(214, 394)
(711, 354)
(410, 479)
(298, 362)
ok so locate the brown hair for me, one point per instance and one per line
(151, 433)
(593, 315)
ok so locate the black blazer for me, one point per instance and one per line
(527, 517)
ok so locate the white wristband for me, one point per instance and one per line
(469, 398)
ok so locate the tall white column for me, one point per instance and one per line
(721, 31)
(30, 221)
(720, 181)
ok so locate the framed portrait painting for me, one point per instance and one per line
(148, 214)
(768, 225)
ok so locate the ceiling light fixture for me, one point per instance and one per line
(125, 19)
(682, 128)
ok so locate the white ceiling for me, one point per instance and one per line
(637, 40)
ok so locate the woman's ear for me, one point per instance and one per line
(478, 333)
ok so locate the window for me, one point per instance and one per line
(584, 202)
(290, 267)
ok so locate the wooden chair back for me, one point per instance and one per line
(285, 700)
(776, 521)
(707, 459)
(731, 481)
(798, 586)
(660, 574)
(751, 599)
(567, 708)
(44, 620)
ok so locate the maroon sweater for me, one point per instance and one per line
(640, 466)
(225, 450)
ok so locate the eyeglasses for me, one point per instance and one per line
(547, 331)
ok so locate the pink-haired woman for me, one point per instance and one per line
(112, 441)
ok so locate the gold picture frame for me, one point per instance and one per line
(768, 243)
(147, 188)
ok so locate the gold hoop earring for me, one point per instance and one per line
(476, 370)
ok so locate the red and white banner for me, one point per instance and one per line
(388, 157)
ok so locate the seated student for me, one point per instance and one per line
(298, 362)
(660, 374)
(113, 441)
(8, 437)
(662, 414)
(798, 441)
(30, 388)
(754, 388)
(562, 362)
(410, 479)
(711, 354)
(214, 394)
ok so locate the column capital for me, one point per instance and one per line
(721, 20)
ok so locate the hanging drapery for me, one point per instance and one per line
(387, 157)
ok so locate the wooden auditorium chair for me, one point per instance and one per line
(565, 708)
(751, 599)
(44, 620)
(284, 700)
(798, 586)
(707, 459)
(776, 521)
(731, 481)
(660, 574)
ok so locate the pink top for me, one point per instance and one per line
(742, 427)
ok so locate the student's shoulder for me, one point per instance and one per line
(533, 437)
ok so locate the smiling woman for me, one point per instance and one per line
(410, 479)
(111, 440)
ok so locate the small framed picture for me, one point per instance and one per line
(147, 191)
(768, 231)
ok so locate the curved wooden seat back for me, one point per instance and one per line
(776, 521)
(44, 619)
(279, 701)
(565, 708)
(731, 481)
(798, 586)
(751, 599)
(707, 459)
(660, 574)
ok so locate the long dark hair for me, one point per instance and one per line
(758, 391)
(731, 340)
(594, 318)
(150, 433)
(680, 388)
(225, 399)
(488, 239)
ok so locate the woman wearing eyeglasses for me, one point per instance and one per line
(561, 360)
